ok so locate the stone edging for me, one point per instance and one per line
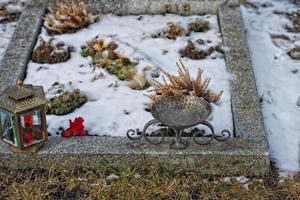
(248, 151)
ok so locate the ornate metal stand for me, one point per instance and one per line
(178, 113)
(157, 137)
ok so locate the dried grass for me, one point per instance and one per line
(184, 84)
(152, 182)
(68, 17)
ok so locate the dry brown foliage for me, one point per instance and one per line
(184, 84)
(47, 52)
(68, 17)
(191, 52)
(143, 180)
(171, 32)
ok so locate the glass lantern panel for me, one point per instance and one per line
(31, 127)
(8, 127)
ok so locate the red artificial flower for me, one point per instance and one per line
(76, 128)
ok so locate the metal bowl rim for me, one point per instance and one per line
(201, 100)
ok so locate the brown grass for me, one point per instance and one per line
(68, 17)
(136, 182)
(184, 84)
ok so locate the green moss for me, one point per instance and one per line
(66, 103)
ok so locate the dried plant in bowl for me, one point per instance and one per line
(50, 52)
(68, 18)
(184, 84)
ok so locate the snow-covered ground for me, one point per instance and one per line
(277, 77)
(114, 110)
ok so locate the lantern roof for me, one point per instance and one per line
(22, 97)
(19, 91)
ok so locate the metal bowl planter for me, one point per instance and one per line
(178, 113)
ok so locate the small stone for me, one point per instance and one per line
(266, 5)
(55, 83)
(103, 183)
(298, 102)
(227, 180)
(261, 99)
(112, 177)
(126, 112)
(242, 179)
(295, 71)
(200, 41)
(164, 52)
(137, 175)
(155, 73)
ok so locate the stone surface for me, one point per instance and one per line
(248, 120)
(245, 154)
(14, 62)
(235, 157)
(135, 7)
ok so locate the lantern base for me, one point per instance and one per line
(31, 149)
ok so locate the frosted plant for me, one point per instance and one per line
(184, 84)
(68, 18)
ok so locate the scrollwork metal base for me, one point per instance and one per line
(157, 137)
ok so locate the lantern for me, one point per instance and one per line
(23, 117)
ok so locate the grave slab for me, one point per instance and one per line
(246, 153)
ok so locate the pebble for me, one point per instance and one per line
(227, 180)
(137, 175)
(112, 177)
(298, 102)
(242, 179)
(155, 73)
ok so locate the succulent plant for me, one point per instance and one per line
(183, 84)
(65, 103)
(68, 18)
(48, 52)
(190, 51)
(171, 32)
(198, 25)
(295, 53)
(105, 57)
